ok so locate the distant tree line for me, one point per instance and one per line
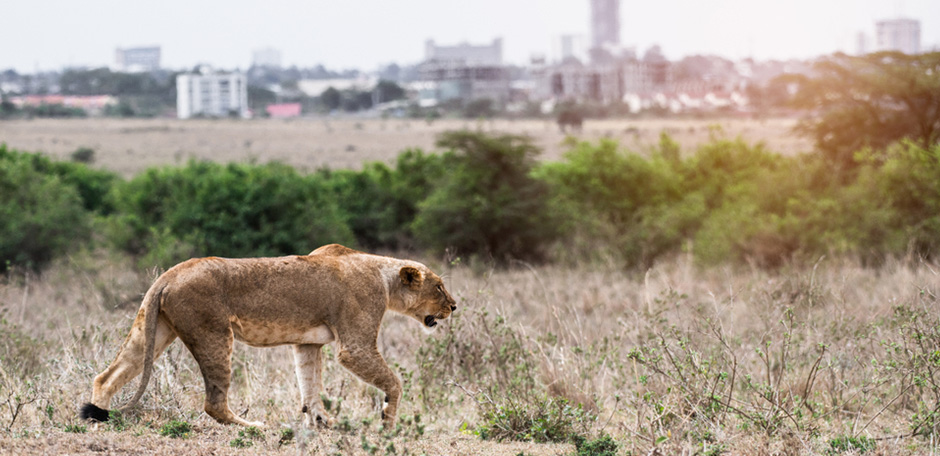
(486, 199)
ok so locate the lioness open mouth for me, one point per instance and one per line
(429, 321)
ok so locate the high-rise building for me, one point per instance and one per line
(211, 94)
(861, 43)
(463, 71)
(469, 54)
(898, 35)
(605, 24)
(137, 59)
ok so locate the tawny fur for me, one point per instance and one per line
(332, 294)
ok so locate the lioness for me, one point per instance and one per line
(332, 294)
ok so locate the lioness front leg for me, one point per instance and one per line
(309, 368)
(368, 364)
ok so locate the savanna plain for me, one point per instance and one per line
(835, 355)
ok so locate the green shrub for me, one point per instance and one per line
(601, 446)
(176, 429)
(76, 428)
(381, 202)
(364, 198)
(93, 185)
(541, 420)
(240, 442)
(907, 184)
(286, 437)
(247, 437)
(487, 204)
(83, 155)
(117, 421)
(629, 203)
(41, 215)
(226, 210)
(842, 444)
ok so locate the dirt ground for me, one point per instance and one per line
(131, 145)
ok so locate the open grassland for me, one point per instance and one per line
(833, 358)
(132, 145)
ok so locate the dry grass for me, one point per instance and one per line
(132, 145)
(585, 326)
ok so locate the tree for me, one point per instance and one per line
(871, 101)
(481, 107)
(331, 98)
(489, 204)
(389, 91)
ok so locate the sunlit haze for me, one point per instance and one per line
(365, 34)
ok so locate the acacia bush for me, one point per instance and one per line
(380, 202)
(487, 203)
(226, 210)
(615, 198)
(42, 215)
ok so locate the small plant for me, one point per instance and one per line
(76, 428)
(83, 155)
(368, 446)
(15, 399)
(116, 421)
(601, 446)
(845, 443)
(286, 438)
(176, 429)
(240, 442)
(252, 432)
(545, 420)
(247, 437)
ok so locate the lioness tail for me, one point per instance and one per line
(151, 312)
(91, 411)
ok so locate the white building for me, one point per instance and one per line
(898, 35)
(463, 71)
(211, 94)
(137, 59)
(465, 53)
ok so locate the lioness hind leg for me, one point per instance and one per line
(129, 361)
(369, 365)
(213, 353)
(309, 368)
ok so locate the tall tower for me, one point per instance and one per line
(605, 23)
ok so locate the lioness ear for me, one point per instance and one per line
(411, 277)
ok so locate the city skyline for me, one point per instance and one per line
(50, 35)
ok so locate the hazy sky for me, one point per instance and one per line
(363, 34)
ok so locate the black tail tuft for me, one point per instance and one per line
(91, 411)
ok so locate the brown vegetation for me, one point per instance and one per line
(826, 349)
(129, 146)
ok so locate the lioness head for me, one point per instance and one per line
(428, 300)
